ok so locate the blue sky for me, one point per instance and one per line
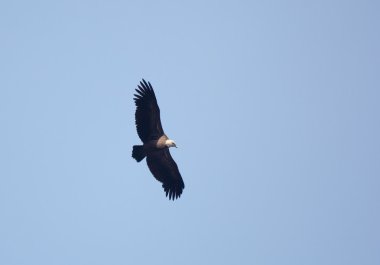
(274, 106)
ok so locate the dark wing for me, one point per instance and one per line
(165, 170)
(148, 123)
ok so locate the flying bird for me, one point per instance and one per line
(155, 142)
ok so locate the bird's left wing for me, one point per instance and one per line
(165, 170)
(148, 121)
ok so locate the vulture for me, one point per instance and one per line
(156, 144)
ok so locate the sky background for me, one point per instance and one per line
(274, 106)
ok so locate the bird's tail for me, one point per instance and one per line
(138, 152)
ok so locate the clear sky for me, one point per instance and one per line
(274, 106)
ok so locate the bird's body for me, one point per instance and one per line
(155, 142)
(155, 145)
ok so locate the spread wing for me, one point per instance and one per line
(148, 122)
(165, 170)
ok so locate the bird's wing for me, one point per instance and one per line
(165, 170)
(148, 122)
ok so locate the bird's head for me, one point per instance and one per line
(170, 143)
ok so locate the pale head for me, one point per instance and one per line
(170, 143)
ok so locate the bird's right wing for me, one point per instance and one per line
(165, 170)
(148, 122)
